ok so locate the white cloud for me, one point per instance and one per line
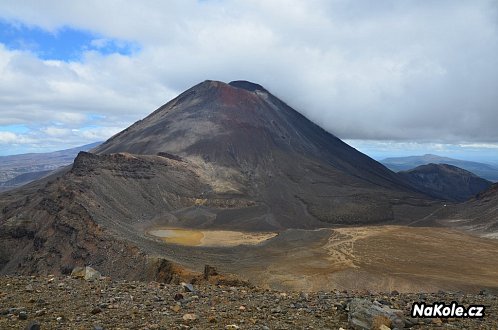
(480, 145)
(41, 92)
(58, 134)
(9, 138)
(389, 70)
(56, 131)
(100, 43)
(98, 133)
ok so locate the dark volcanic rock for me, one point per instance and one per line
(247, 85)
(446, 181)
(57, 227)
(209, 271)
(479, 213)
(134, 305)
(33, 326)
(364, 315)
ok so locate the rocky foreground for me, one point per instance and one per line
(75, 303)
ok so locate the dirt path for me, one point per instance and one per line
(380, 258)
(341, 244)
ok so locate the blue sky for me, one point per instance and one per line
(65, 44)
(62, 45)
(486, 153)
(399, 78)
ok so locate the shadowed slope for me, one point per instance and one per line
(447, 182)
(479, 214)
(486, 171)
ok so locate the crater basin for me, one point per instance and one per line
(210, 238)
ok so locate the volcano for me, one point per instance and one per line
(260, 151)
(219, 156)
(241, 125)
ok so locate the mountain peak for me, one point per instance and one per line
(445, 181)
(247, 85)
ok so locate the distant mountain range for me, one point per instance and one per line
(17, 170)
(486, 171)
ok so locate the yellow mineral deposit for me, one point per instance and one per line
(211, 238)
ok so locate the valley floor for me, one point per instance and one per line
(376, 258)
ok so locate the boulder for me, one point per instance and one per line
(187, 287)
(364, 314)
(190, 317)
(87, 273)
(34, 325)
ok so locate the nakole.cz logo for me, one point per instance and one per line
(439, 309)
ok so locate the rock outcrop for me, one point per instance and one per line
(366, 315)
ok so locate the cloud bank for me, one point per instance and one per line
(383, 70)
